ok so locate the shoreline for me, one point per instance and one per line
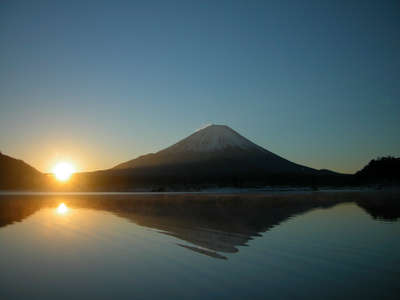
(217, 191)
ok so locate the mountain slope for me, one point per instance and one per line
(214, 155)
(216, 149)
(16, 174)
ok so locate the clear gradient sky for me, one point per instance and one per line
(101, 82)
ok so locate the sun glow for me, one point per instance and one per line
(63, 171)
(62, 209)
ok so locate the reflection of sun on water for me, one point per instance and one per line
(62, 209)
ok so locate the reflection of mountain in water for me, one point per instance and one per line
(16, 209)
(215, 227)
(385, 208)
(212, 224)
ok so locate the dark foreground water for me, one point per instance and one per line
(308, 246)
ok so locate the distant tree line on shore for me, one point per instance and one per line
(381, 170)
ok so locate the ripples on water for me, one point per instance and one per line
(324, 245)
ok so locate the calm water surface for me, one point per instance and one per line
(197, 247)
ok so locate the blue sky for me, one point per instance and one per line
(101, 82)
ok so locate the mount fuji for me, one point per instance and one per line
(215, 150)
(213, 156)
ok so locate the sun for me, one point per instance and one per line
(63, 170)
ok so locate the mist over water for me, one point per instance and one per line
(221, 246)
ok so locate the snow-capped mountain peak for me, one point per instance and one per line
(212, 138)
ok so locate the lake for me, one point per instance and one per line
(328, 245)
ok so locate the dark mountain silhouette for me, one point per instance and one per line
(16, 174)
(223, 149)
(214, 155)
